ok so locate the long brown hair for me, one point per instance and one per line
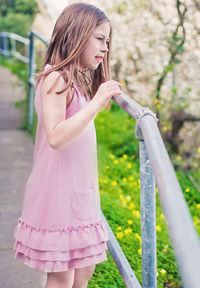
(70, 34)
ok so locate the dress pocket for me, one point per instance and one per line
(85, 205)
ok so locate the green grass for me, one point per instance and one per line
(120, 196)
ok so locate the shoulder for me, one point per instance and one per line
(53, 82)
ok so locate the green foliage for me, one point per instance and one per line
(15, 23)
(18, 6)
(21, 70)
(121, 7)
(179, 103)
(17, 16)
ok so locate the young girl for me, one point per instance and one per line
(61, 230)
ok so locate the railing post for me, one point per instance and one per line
(148, 217)
(31, 79)
(5, 46)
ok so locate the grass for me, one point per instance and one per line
(119, 185)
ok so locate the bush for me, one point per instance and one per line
(17, 16)
(15, 23)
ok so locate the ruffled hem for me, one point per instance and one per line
(60, 249)
(58, 266)
(60, 255)
(65, 239)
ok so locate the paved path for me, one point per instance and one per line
(16, 152)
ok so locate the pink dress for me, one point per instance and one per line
(61, 226)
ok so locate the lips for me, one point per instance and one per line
(99, 58)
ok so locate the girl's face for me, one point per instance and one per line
(96, 47)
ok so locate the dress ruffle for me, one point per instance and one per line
(61, 249)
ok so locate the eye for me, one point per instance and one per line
(100, 38)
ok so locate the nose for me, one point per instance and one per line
(104, 48)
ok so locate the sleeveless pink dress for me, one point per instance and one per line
(61, 226)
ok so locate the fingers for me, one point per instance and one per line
(113, 82)
(115, 93)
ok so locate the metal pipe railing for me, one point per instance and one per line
(120, 259)
(7, 51)
(182, 232)
(148, 216)
(31, 81)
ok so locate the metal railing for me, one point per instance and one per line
(8, 46)
(31, 81)
(154, 162)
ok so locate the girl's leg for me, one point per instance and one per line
(82, 276)
(64, 279)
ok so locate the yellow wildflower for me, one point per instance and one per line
(128, 231)
(198, 149)
(178, 157)
(165, 128)
(156, 100)
(123, 82)
(129, 165)
(130, 178)
(107, 166)
(158, 228)
(120, 190)
(120, 235)
(105, 180)
(187, 190)
(130, 222)
(133, 156)
(135, 183)
(111, 156)
(136, 213)
(137, 236)
(158, 106)
(124, 179)
(119, 228)
(198, 206)
(140, 251)
(125, 156)
(116, 161)
(121, 196)
(163, 271)
(165, 248)
(162, 216)
(114, 183)
(196, 220)
(131, 206)
(130, 185)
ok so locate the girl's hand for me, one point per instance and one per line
(105, 92)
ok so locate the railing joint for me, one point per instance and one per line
(145, 111)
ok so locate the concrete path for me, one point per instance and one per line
(16, 152)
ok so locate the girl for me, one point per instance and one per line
(61, 230)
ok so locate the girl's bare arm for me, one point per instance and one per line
(61, 131)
